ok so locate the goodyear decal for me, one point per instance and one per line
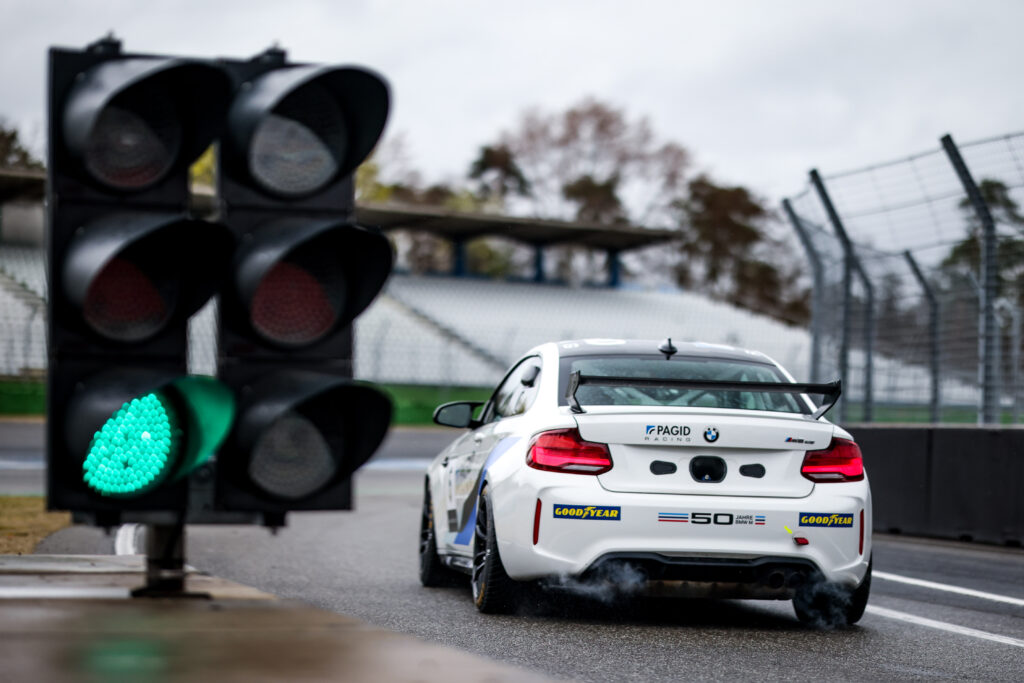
(587, 512)
(825, 519)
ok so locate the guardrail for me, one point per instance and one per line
(964, 483)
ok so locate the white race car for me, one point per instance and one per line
(703, 469)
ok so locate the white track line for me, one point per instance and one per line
(948, 588)
(124, 540)
(943, 626)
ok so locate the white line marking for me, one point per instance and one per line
(403, 464)
(124, 540)
(28, 465)
(60, 592)
(948, 588)
(943, 626)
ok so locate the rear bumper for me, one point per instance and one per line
(723, 539)
(762, 577)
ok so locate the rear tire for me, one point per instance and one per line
(827, 605)
(433, 573)
(493, 591)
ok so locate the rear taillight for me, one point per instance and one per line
(564, 450)
(841, 461)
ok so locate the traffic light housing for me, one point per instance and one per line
(302, 273)
(283, 427)
(127, 266)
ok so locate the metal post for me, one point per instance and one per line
(165, 561)
(458, 257)
(1015, 332)
(817, 291)
(989, 286)
(850, 264)
(614, 268)
(933, 337)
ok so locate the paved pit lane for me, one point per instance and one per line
(937, 610)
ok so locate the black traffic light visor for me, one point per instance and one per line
(131, 274)
(301, 279)
(297, 129)
(305, 431)
(131, 122)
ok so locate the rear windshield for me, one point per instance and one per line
(656, 367)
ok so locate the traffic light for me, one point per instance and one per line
(127, 266)
(302, 272)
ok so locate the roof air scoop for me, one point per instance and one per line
(667, 348)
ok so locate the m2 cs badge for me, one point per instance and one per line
(825, 519)
(587, 512)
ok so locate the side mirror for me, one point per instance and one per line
(457, 414)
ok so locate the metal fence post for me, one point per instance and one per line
(851, 263)
(933, 337)
(817, 291)
(1015, 332)
(987, 331)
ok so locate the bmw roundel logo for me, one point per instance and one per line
(711, 434)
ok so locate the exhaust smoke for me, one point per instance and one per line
(609, 582)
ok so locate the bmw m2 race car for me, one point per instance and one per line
(692, 469)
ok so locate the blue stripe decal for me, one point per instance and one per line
(466, 534)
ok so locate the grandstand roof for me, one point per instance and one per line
(448, 224)
(18, 184)
(456, 226)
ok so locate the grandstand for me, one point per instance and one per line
(504, 319)
(457, 331)
(460, 330)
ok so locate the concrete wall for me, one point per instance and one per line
(946, 482)
(21, 222)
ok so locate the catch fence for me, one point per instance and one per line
(918, 282)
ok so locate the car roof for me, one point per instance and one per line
(634, 347)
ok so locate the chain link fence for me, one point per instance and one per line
(442, 331)
(917, 266)
(897, 253)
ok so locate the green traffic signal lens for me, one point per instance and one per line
(135, 449)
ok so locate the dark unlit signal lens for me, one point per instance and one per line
(136, 139)
(298, 147)
(292, 459)
(299, 300)
(124, 303)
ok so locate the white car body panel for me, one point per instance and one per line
(654, 514)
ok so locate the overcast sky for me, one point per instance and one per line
(758, 91)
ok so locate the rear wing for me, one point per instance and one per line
(830, 390)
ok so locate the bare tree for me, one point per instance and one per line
(13, 153)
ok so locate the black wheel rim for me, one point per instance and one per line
(480, 549)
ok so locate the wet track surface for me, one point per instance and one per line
(364, 564)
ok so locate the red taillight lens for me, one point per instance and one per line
(841, 461)
(564, 450)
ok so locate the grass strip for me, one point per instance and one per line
(24, 522)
